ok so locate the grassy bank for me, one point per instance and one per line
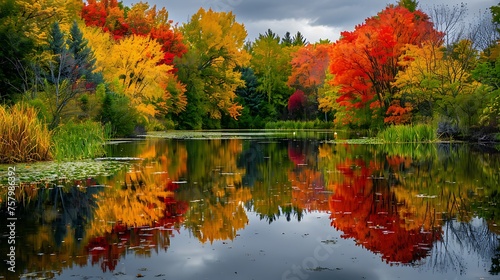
(408, 134)
(24, 138)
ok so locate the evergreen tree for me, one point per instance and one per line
(68, 72)
(56, 41)
(287, 41)
(299, 40)
(83, 57)
(251, 98)
(270, 35)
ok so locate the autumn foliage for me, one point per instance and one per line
(393, 68)
(364, 62)
(106, 14)
(309, 65)
(141, 20)
(397, 114)
(141, 55)
(296, 101)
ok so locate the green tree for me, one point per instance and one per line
(435, 82)
(287, 40)
(117, 111)
(15, 50)
(271, 62)
(487, 72)
(411, 5)
(299, 40)
(495, 13)
(252, 100)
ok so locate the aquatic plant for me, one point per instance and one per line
(23, 137)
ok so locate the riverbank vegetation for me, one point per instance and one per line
(134, 70)
(79, 140)
(23, 136)
(408, 134)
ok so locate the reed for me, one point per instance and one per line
(79, 140)
(23, 137)
(408, 133)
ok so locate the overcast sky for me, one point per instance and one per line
(315, 19)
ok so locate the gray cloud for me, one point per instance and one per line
(313, 16)
(332, 13)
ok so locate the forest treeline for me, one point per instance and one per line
(133, 67)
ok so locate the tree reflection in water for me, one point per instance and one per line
(407, 210)
(405, 203)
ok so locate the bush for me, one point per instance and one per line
(24, 137)
(117, 112)
(79, 140)
(41, 108)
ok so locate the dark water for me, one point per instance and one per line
(253, 206)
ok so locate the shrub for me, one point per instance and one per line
(24, 137)
(117, 112)
(41, 108)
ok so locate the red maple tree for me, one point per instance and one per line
(364, 62)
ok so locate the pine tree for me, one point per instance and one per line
(83, 57)
(55, 39)
(287, 40)
(299, 40)
(69, 71)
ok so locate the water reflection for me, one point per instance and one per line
(403, 203)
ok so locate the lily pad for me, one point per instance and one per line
(52, 170)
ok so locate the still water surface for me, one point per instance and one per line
(260, 206)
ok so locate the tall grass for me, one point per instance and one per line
(23, 137)
(79, 140)
(408, 133)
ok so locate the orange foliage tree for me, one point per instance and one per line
(397, 114)
(309, 65)
(364, 62)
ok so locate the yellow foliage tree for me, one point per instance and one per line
(134, 64)
(215, 42)
(433, 79)
(36, 16)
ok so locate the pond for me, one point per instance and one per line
(256, 205)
